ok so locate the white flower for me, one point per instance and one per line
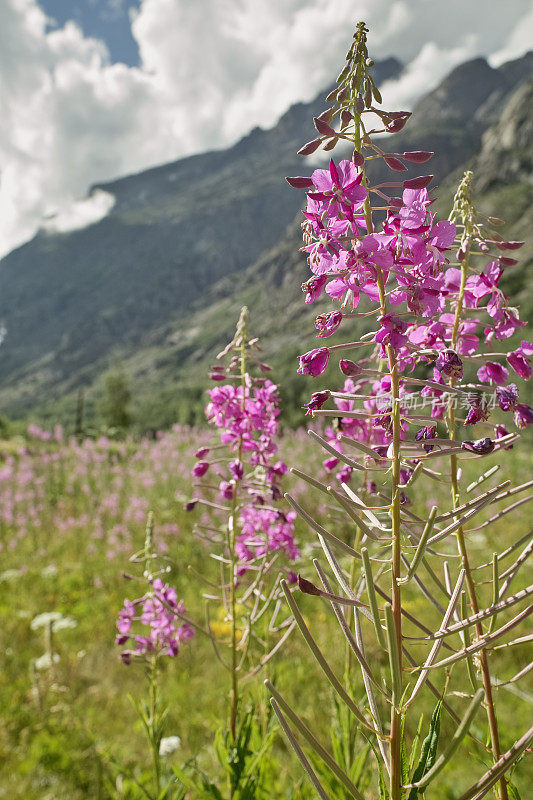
(169, 744)
(53, 618)
(10, 574)
(45, 661)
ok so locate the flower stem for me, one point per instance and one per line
(152, 724)
(232, 534)
(395, 729)
(455, 494)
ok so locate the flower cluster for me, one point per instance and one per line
(246, 413)
(425, 312)
(160, 612)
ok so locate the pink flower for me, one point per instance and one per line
(519, 361)
(314, 362)
(200, 468)
(313, 287)
(317, 400)
(523, 415)
(392, 331)
(449, 363)
(492, 372)
(327, 324)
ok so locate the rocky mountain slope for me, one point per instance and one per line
(158, 283)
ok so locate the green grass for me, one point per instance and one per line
(78, 512)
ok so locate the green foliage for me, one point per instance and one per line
(114, 404)
(429, 750)
(246, 763)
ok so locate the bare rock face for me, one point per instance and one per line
(506, 153)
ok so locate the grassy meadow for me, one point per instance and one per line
(71, 514)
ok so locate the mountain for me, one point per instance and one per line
(158, 283)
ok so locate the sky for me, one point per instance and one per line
(91, 90)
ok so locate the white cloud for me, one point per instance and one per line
(81, 213)
(210, 70)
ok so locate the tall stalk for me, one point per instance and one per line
(463, 213)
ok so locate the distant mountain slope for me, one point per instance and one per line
(159, 282)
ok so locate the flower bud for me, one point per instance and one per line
(314, 362)
(418, 156)
(395, 164)
(237, 470)
(358, 159)
(299, 182)
(507, 397)
(428, 432)
(310, 147)
(190, 505)
(202, 452)
(421, 182)
(200, 469)
(349, 368)
(323, 127)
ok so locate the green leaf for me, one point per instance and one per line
(403, 752)
(512, 791)
(414, 746)
(429, 750)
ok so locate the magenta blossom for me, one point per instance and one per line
(160, 613)
(314, 362)
(200, 468)
(492, 372)
(327, 324)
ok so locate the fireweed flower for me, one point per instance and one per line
(246, 415)
(437, 315)
(152, 625)
(314, 362)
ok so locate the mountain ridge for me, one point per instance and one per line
(119, 289)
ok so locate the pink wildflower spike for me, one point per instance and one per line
(314, 362)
